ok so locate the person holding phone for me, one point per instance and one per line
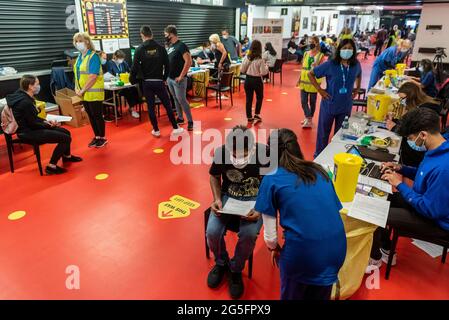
(301, 195)
(235, 173)
(341, 73)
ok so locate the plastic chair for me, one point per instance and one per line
(10, 141)
(277, 68)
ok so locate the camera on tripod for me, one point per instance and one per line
(439, 52)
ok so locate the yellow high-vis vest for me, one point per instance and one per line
(307, 63)
(96, 93)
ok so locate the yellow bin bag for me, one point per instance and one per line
(359, 237)
(346, 174)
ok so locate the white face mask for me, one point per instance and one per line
(225, 37)
(120, 61)
(81, 46)
(242, 161)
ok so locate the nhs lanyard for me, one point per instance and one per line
(344, 90)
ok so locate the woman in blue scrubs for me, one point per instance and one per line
(341, 73)
(315, 240)
(427, 80)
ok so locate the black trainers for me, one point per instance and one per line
(180, 121)
(93, 143)
(257, 119)
(101, 143)
(236, 287)
(56, 170)
(216, 276)
(190, 126)
(72, 159)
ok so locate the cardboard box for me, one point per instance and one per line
(71, 105)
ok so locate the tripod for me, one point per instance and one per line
(438, 64)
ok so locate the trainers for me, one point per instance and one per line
(101, 143)
(93, 143)
(135, 114)
(55, 170)
(307, 124)
(177, 131)
(180, 121)
(372, 265)
(386, 255)
(190, 126)
(216, 275)
(257, 119)
(236, 287)
(72, 158)
(108, 119)
(156, 133)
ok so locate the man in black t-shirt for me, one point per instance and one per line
(235, 173)
(180, 61)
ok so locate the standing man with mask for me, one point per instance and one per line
(388, 60)
(151, 62)
(180, 62)
(231, 44)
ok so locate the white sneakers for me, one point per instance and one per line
(307, 123)
(156, 133)
(373, 264)
(178, 131)
(135, 114)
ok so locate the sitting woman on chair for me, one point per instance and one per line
(33, 129)
(117, 66)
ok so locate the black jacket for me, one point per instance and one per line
(150, 62)
(24, 109)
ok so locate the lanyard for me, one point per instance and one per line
(343, 74)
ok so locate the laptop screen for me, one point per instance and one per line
(355, 151)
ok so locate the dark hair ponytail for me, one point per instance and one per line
(291, 158)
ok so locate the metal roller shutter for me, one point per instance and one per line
(33, 33)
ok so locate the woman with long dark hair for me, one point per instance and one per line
(269, 55)
(315, 241)
(255, 68)
(341, 73)
(426, 80)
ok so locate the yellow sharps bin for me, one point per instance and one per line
(400, 68)
(124, 77)
(379, 105)
(346, 174)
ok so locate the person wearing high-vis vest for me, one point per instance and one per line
(312, 59)
(89, 85)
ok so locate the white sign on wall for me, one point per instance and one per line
(269, 30)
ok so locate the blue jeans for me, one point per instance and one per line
(216, 231)
(179, 92)
(309, 108)
(157, 88)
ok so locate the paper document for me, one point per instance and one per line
(372, 210)
(52, 117)
(431, 249)
(292, 50)
(238, 207)
(379, 184)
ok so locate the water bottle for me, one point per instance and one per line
(345, 127)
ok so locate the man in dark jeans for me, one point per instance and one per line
(425, 207)
(380, 39)
(151, 64)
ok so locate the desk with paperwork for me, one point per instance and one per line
(109, 86)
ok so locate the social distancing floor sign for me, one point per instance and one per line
(178, 207)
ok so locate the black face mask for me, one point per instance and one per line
(312, 46)
(167, 39)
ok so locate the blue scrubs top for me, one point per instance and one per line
(338, 103)
(315, 240)
(429, 84)
(115, 69)
(94, 65)
(388, 59)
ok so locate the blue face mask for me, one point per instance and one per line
(104, 61)
(346, 54)
(414, 146)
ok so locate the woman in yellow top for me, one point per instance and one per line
(311, 59)
(89, 86)
(346, 33)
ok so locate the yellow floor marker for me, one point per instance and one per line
(284, 93)
(198, 132)
(269, 100)
(16, 215)
(102, 176)
(297, 70)
(227, 119)
(158, 150)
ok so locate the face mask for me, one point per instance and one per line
(167, 39)
(207, 50)
(120, 61)
(346, 54)
(36, 89)
(404, 102)
(213, 46)
(404, 50)
(225, 37)
(421, 69)
(104, 61)
(242, 161)
(81, 46)
(312, 46)
(414, 146)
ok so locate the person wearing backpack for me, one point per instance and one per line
(36, 130)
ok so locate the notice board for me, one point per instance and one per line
(269, 30)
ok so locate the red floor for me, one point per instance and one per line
(110, 229)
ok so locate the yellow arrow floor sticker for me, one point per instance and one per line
(178, 207)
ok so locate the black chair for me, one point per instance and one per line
(442, 239)
(234, 227)
(277, 68)
(224, 84)
(241, 78)
(361, 103)
(10, 141)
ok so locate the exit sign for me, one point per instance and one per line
(284, 11)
